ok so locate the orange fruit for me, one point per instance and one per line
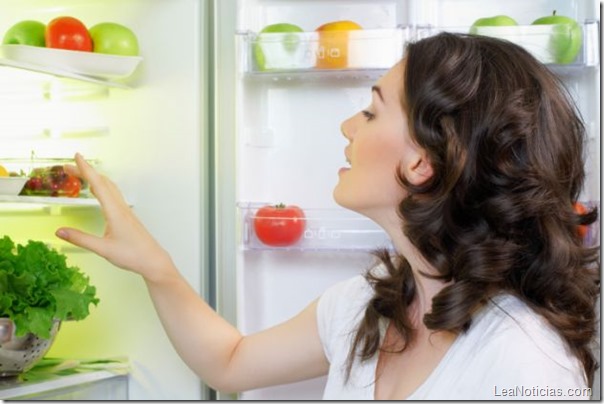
(3, 172)
(333, 44)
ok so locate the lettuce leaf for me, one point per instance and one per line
(37, 287)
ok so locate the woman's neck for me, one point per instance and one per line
(426, 287)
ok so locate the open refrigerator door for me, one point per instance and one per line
(284, 83)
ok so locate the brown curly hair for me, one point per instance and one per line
(506, 146)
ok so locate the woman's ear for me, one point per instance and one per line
(419, 169)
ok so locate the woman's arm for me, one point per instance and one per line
(211, 347)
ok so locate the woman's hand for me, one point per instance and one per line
(126, 242)
(210, 346)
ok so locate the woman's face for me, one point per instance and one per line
(379, 145)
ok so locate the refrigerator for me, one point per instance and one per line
(278, 138)
(200, 136)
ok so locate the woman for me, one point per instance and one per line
(470, 157)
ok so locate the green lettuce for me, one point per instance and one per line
(37, 287)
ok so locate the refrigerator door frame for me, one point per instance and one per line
(223, 276)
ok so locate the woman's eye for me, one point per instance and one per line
(368, 115)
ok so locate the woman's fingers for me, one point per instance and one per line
(101, 187)
(84, 240)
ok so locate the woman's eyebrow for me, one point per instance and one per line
(378, 90)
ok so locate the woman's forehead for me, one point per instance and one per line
(391, 83)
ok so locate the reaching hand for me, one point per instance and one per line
(126, 242)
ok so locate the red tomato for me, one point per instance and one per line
(71, 187)
(581, 209)
(279, 225)
(68, 33)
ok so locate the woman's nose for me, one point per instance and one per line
(347, 128)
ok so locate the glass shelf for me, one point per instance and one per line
(368, 54)
(325, 230)
(50, 201)
(44, 202)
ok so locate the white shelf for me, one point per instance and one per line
(55, 385)
(97, 68)
(60, 73)
(51, 201)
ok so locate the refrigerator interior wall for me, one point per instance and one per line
(289, 145)
(289, 150)
(150, 140)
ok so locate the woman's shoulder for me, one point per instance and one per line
(510, 329)
(339, 310)
(347, 296)
(510, 350)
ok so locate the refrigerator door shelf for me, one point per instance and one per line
(543, 41)
(370, 53)
(315, 75)
(325, 230)
(278, 53)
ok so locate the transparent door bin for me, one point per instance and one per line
(325, 230)
(308, 54)
(549, 43)
(271, 53)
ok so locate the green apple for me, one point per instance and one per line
(567, 37)
(495, 21)
(288, 43)
(26, 33)
(114, 39)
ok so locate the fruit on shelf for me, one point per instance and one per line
(52, 181)
(566, 37)
(68, 33)
(26, 32)
(279, 225)
(494, 21)
(114, 39)
(581, 209)
(3, 171)
(277, 51)
(333, 44)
